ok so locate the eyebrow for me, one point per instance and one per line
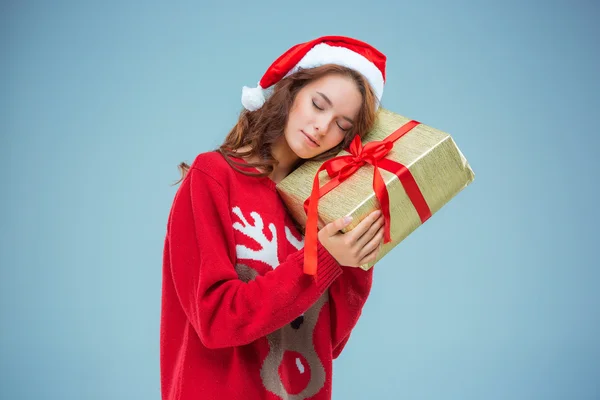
(331, 104)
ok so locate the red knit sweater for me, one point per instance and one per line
(239, 318)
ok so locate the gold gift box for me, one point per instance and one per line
(431, 155)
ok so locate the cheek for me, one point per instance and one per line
(335, 138)
(304, 108)
(303, 112)
(294, 116)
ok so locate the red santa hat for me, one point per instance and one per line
(339, 50)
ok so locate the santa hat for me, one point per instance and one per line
(338, 50)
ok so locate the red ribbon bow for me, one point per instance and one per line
(342, 167)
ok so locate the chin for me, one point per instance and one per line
(301, 151)
(303, 154)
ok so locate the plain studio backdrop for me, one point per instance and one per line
(495, 297)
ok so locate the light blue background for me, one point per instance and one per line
(495, 297)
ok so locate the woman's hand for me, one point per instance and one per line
(357, 247)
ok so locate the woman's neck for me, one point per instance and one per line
(286, 158)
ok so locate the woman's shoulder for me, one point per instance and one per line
(210, 166)
(212, 163)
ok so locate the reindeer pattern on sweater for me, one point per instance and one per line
(292, 369)
(239, 317)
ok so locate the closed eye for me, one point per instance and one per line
(345, 130)
(321, 109)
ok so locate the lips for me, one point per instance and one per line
(311, 138)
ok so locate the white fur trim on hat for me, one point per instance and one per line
(323, 53)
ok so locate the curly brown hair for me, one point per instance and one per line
(262, 128)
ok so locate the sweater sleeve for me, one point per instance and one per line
(224, 310)
(348, 294)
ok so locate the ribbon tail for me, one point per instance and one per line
(384, 201)
(310, 245)
(311, 230)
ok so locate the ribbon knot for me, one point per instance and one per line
(345, 166)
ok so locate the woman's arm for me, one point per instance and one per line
(224, 310)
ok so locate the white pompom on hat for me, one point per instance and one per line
(339, 50)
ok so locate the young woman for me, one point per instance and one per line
(240, 319)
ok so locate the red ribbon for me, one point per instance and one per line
(341, 168)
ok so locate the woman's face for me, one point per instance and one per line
(321, 115)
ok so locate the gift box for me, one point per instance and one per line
(407, 169)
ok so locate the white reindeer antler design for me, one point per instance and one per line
(298, 244)
(268, 251)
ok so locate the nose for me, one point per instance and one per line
(321, 124)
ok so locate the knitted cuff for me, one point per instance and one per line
(328, 269)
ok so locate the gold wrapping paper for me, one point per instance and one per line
(438, 166)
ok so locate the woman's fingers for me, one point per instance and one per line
(359, 230)
(372, 245)
(358, 246)
(366, 238)
(334, 227)
(370, 257)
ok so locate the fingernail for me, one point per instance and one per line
(348, 218)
